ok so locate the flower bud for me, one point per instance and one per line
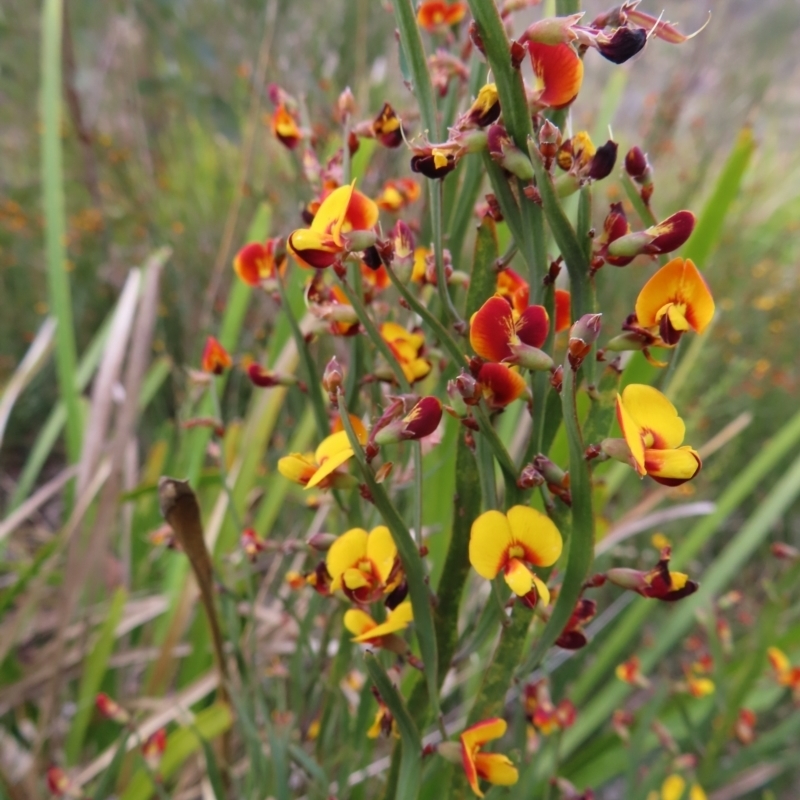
(665, 237)
(111, 709)
(530, 477)
(421, 421)
(346, 104)
(603, 161)
(469, 388)
(553, 30)
(215, 359)
(251, 543)
(552, 473)
(582, 336)
(332, 377)
(636, 164)
(623, 44)
(549, 141)
(507, 154)
(785, 552)
(359, 240)
(530, 357)
(475, 37)
(265, 378)
(321, 541)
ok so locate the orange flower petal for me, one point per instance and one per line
(249, 263)
(216, 358)
(559, 73)
(501, 385)
(563, 310)
(678, 283)
(491, 328)
(297, 467)
(479, 734)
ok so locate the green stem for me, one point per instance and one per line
(505, 461)
(418, 490)
(53, 200)
(581, 543)
(317, 402)
(375, 337)
(411, 42)
(438, 253)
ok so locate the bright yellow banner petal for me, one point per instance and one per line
(651, 410)
(358, 622)
(489, 540)
(330, 215)
(381, 550)
(537, 533)
(330, 465)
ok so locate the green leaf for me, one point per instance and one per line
(55, 224)
(94, 669)
(408, 781)
(105, 786)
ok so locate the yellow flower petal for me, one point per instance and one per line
(633, 435)
(778, 660)
(381, 550)
(483, 732)
(672, 788)
(518, 577)
(496, 768)
(354, 578)
(542, 590)
(329, 465)
(331, 446)
(537, 534)
(358, 622)
(672, 467)
(697, 793)
(396, 620)
(331, 213)
(489, 540)
(654, 414)
(346, 552)
(297, 467)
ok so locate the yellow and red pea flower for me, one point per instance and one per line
(435, 161)
(397, 193)
(408, 348)
(630, 672)
(500, 333)
(60, 784)
(484, 110)
(260, 262)
(654, 433)
(786, 674)
(321, 469)
(436, 16)
(558, 71)
(344, 211)
(675, 299)
(364, 565)
(495, 768)
(285, 127)
(215, 359)
(514, 288)
(542, 713)
(387, 127)
(367, 631)
(658, 583)
(664, 237)
(111, 709)
(507, 543)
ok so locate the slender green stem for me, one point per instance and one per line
(505, 461)
(430, 320)
(223, 471)
(53, 199)
(411, 42)
(375, 336)
(581, 542)
(317, 402)
(438, 253)
(418, 490)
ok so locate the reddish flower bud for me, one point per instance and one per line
(332, 377)
(421, 421)
(623, 44)
(530, 477)
(603, 161)
(507, 154)
(665, 237)
(321, 541)
(636, 164)
(784, 551)
(265, 378)
(59, 783)
(468, 388)
(475, 37)
(111, 709)
(153, 748)
(582, 336)
(549, 142)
